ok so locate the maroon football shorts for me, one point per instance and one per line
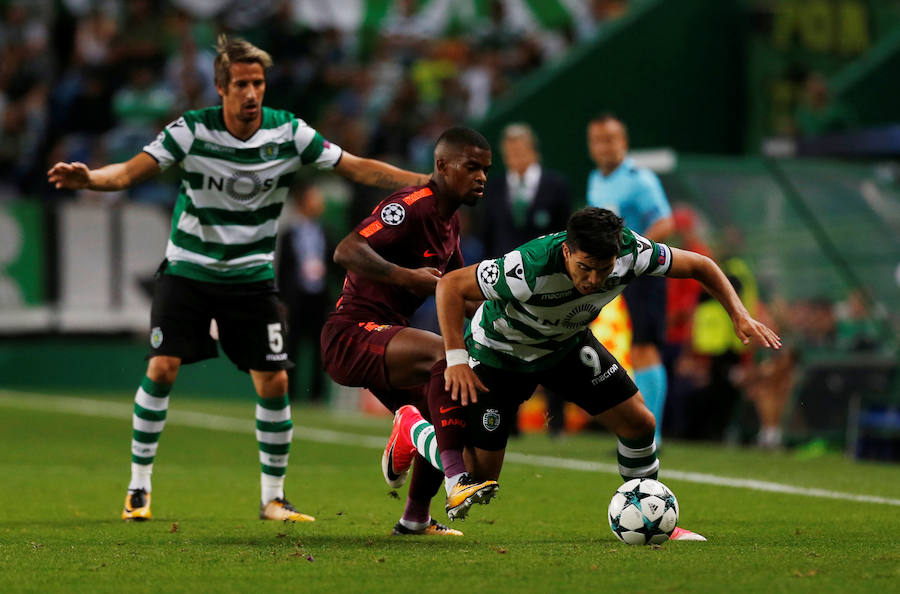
(353, 355)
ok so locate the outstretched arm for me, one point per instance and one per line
(454, 290)
(356, 255)
(686, 264)
(118, 176)
(372, 172)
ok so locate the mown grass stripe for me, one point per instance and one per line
(47, 404)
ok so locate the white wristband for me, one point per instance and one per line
(457, 357)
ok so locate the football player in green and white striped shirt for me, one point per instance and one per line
(533, 329)
(237, 162)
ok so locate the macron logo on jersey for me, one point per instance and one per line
(516, 272)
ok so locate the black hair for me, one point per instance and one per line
(595, 231)
(605, 116)
(460, 136)
(608, 116)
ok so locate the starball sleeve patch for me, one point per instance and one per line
(393, 213)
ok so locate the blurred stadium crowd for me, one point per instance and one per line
(93, 81)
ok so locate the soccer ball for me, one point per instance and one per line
(643, 511)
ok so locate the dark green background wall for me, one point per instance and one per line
(106, 364)
(671, 70)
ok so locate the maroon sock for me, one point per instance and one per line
(449, 420)
(423, 486)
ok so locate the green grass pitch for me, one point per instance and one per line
(65, 472)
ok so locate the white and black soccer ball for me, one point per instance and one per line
(642, 512)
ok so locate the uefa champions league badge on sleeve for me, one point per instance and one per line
(489, 273)
(393, 213)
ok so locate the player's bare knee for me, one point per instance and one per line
(271, 384)
(163, 370)
(637, 426)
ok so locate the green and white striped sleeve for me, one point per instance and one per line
(172, 144)
(313, 149)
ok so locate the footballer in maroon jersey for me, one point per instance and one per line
(408, 230)
(394, 259)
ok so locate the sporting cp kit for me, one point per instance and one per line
(407, 230)
(218, 266)
(220, 251)
(533, 329)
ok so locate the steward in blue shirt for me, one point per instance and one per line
(635, 194)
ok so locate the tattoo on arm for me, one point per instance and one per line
(388, 181)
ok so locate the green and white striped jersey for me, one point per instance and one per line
(232, 190)
(533, 314)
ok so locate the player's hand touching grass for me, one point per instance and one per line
(463, 384)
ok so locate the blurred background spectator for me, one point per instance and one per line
(818, 113)
(528, 201)
(304, 262)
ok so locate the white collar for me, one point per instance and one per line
(530, 178)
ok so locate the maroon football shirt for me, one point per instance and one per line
(407, 230)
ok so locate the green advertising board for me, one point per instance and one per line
(22, 253)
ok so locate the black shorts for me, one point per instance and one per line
(250, 324)
(645, 298)
(589, 376)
